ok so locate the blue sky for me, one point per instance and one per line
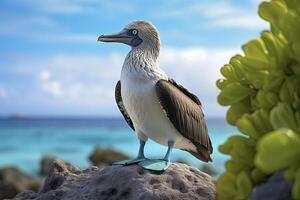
(51, 64)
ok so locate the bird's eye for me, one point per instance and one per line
(134, 32)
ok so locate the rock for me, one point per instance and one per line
(106, 156)
(208, 169)
(45, 165)
(178, 182)
(276, 188)
(13, 181)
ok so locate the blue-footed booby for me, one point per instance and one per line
(153, 104)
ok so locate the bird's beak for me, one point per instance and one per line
(121, 37)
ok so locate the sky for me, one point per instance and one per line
(52, 64)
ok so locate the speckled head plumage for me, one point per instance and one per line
(137, 34)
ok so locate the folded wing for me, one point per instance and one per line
(184, 111)
(121, 106)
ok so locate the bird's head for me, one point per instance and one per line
(138, 35)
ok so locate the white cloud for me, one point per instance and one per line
(220, 14)
(84, 81)
(48, 85)
(242, 21)
(45, 75)
(87, 81)
(52, 87)
(227, 15)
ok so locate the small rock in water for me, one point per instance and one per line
(106, 156)
(208, 169)
(45, 165)
(178, 182)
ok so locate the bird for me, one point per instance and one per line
(154, 105)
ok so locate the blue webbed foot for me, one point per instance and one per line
(155, 164)
(139, 158)
(129, 162)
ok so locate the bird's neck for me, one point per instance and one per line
(141, 64)
(142, 57)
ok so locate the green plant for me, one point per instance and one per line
(262, 88)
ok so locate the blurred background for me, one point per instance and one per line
(57, 82)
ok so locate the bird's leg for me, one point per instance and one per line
(168, 154)
(159, 164)
(139, 158)
(141, 151)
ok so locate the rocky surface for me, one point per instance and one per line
(276, 188)
(13, 181)
(106, 156)
(178, 182)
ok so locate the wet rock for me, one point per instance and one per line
(13, 181)
(178, 182)
(106, 156)
(276, 188)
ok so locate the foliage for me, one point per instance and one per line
(262, 88)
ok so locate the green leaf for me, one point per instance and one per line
(236, 111)
(257, 175)
(291, 172)
(296, 186)
(255, 48)
(277, 150)
(226, 186)
(226, 148)
(244, 185)
(246, 126)
(233, 93)
(282, 116)
(272, 11)
(221, 83)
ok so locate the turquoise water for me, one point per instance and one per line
(23, 142)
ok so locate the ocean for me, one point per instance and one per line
(24, 141)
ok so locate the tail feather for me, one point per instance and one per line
(204, 156)
(202, 153)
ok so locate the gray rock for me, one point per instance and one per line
(178, 182)
(45, 165)
(105, 156)
(276, 188)
(13, 181)
(207, 168)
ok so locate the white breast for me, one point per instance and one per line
(140, 100)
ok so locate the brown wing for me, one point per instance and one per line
(184, 111)
(121, 106)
